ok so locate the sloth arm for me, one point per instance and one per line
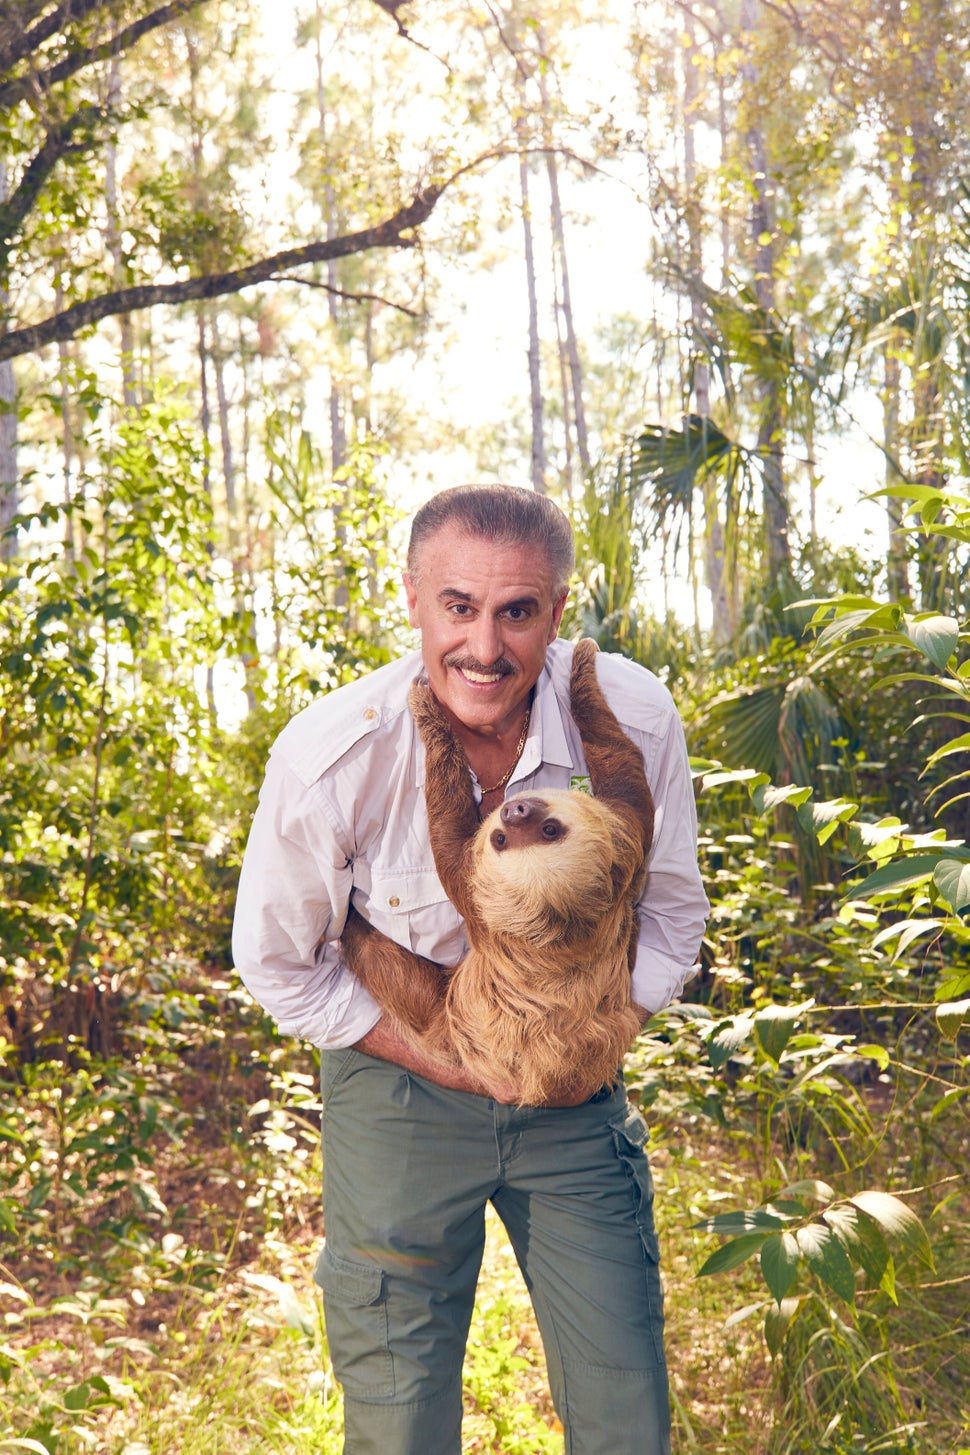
(404, 984)
(615, 765)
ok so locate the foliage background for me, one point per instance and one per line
(233, 270)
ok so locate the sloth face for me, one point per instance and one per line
(544, 865)
(525, 820)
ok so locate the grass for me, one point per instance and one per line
(194, 1327)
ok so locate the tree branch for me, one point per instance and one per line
(57, 143)
(350, 297)
(14, 91)
(391, 233)
(25, 37)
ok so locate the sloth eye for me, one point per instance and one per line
(498, 839)
(552, 829)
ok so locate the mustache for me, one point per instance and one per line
(462, 663)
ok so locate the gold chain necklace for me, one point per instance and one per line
(518, 754)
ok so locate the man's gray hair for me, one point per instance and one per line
(504, 514)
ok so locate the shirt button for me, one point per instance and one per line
(394, 901)
(370, 714)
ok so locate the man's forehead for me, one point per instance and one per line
(459, 559)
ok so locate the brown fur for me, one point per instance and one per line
(547, 887)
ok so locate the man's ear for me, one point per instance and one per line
(412, 596)
(557, 610)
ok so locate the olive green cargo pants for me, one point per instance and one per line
(408, 1170)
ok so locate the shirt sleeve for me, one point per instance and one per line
(674, 907)
(292, 901)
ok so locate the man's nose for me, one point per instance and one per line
(485, 641)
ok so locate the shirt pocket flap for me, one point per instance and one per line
(401, 892)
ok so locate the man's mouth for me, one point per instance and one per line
(478, 674)
(484, 678)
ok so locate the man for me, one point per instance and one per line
(413, 1154)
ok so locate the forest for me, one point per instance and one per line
(270, 274)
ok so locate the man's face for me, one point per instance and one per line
(486, 614)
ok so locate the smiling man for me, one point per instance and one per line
(413, 1154)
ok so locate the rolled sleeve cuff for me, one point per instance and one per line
(326, 1006)
(657, 980)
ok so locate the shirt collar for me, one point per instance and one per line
(546, 743)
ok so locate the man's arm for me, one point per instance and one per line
(674, 907)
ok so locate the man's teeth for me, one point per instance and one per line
(483, 677)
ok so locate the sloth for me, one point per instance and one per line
(547, 886)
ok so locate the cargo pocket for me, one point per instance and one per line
(356, 1318)
(630, 1138)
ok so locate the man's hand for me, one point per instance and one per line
(383, 1042)
(386, 1044)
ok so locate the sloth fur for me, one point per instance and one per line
(547, 887)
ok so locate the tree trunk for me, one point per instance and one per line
(770, 432)
(120, 274)
(538, 449)
(9, 480)
(897, 558)
(250, 657)
(559, 248)
(724, 616)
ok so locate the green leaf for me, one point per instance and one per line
(727, 1038)
(897, 1221)
(774, 1025)
(778, 1321)
(950, 1016)
(952, 879)
(811, 1188)
(779, 1263)
(907, 931)
(862, 1238)
(733, 1254)
(935, 636)
(750, 776)
(765, 796)
(740, 1222)
(945, 1102)
(879, 1054)
(900, 874)
(77, 1397)
(826, 1256)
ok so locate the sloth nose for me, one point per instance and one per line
(522, 809)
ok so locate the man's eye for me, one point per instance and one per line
(517, 613)
(459, 608)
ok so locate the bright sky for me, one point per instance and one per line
(483, 375)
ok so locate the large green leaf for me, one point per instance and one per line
(733, 1254)
(935, 636)
(774, 1025)
(728, 1037)
(899, 874)
(896, 1220)
(825, 1254)
(779, 1263)
(863, 1240)
(740, 1222)
(950, 1017)
(778, 1321)
(952, 879)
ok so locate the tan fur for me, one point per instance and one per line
(542, 999)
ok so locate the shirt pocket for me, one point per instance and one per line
(410, 906)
